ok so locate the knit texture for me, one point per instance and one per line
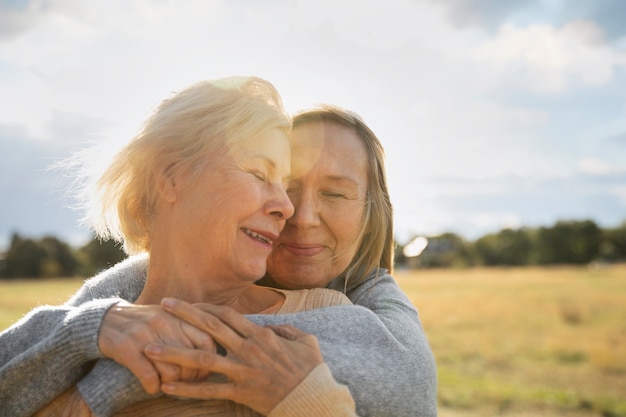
(376, 347)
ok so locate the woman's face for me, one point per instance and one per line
(224, 222)
(328, 190)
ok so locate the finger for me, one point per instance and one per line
(190, 358)
(199, 339)
(193, 367)
(233, 319)
(208, 322)
(145, 371)
(204, 361)
(182, 374)
(287, 331)
(168, 371)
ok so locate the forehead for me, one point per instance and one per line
(329, 149)
(271, 146)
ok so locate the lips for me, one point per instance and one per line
(264, 237)
(306, 250)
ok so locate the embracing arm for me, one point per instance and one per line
(365, 356)
(46, 352)
(416, 384)
(379, 350)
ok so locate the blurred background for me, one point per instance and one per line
(494, 114)
(504, 124)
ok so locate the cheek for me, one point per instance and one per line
(347, 228)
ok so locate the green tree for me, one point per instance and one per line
(98, 255)
(569, 242)
(34, 258)
(23, 258)
(59, 261)
(613, 246)
(507, 247)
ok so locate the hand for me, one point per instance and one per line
(262, 364)
(127, 330)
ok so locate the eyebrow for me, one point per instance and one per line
(264, 158)
(271, 163)
(341, 178)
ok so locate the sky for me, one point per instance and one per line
(493, 114)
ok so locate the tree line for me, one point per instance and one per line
(565, 242)
(50, 257)
(576, 242)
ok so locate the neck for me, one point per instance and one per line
(244, 297)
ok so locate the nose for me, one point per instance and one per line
(280, 206)
(306, 210)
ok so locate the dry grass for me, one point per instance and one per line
(525, 341)
(19, 296)
(516, 342)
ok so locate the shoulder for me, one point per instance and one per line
(126, 279)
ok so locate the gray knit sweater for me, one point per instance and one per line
(376, 347)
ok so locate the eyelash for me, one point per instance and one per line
(259, 175)
(333, 195)
(327, 194)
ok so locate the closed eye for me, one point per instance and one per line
(330, 194)
(259, 175)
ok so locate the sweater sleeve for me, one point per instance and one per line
(318, 395)
(52, 347)
(376, 347)
(416, 385)
(46, 352)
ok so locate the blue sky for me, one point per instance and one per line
(493, 113)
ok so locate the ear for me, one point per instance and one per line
(167, 188)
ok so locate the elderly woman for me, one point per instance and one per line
(201, 190)
(341, 233)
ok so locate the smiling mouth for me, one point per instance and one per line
(257, 236)
(304, 250)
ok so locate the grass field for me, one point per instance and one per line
(515, 342)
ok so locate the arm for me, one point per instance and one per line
(47, 352)
(389, 368)
(379, 350)
(385, 377)
(50, 348)
(277, 371)
(318, 395)
(417, 386)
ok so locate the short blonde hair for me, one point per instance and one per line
(183, 131)
(376, 245)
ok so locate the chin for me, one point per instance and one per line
(255, 274)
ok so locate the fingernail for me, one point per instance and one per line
(153, 350)
(168, 387)
(168, 302)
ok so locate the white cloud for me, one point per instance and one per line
(599, 167)
(432, 93)
(548, 59)
(593, 166)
